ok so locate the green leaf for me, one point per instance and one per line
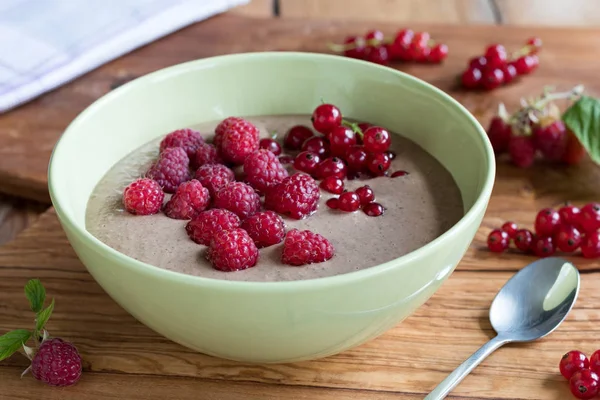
(12, 341)
(36, 294)
(583, 119)
(43, 317)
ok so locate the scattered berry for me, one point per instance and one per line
(569, 215)
(498, 241)
(595, 361)
(376, 140)
(590, 246)
(543, 246)
(522, 151)
(492, 78)
(374, 36)
(357, 158)
(511, 228)
(526, 64)
(56, 363)
(333, 203)
(206, 154)
(317, 145)
(373, 209)
(377, 55)
(584, 384)
(379, 163)
(571, 362)
(349, 202)
(307, 162)
(365, 194)
(238, 198)
(296, 136)
(214, 177)
(332, 184)
(143, 197)
(589, 218)
(188, 139)
(297, 196)
(547, 222)
(567, 238)
(271, 145)
(305, 247)
(326, 117)
(333, 166)
(263, 170)
(471, 78)
(205, 225)
(232, 250)
(171, 169)
(188, 201)
(355, 47)
(265, 228)
(341, 138)
(535, 44)
(438, 53)
(239, 140)
(509, 72)
(523, 240)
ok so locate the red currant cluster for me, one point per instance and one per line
(496, 68)
(406, 46)
(581, 373)
(568, 229)
(536, 127)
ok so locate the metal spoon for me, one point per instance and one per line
(532, 304)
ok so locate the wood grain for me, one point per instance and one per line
(256, 8)
(15, 215)
(549, 12)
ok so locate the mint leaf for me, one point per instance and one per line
(43, 317)
(12, 341)
(583, 119)
(36, 294)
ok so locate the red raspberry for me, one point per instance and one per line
(206, 154)
(143, 197)
(239, 141)
(188, 139)
(297, 196)
(305, 247)
(263, 170)
(56, 363)
(238, 198)
(232, 250)
(188, 201)
(222, 127)
(265, 228)
(171, 169)
(204, 226)
(214, 177)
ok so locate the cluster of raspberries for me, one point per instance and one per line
(226, 214)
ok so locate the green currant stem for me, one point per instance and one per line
(548, 97)
(354, 126)
(525, 50)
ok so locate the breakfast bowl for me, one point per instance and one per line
(270, 322)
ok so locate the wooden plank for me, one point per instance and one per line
(409, 359)
(393, 11)
(15, 215)
(256, 8)
(550, 12)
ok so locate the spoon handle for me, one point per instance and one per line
(452, 380)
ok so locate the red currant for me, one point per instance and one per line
(271, 145)
(356, 47)
(589, 218)
(543, 246)
(595, 361)
(535, 44)
(378, 55)
(331, 167)
(415, 51)
(478, 62)
(510, 73)
(492, 78)
(569, 215)
(357, 158)
(296, 136)
(363, 126)
(497, 241)
(286, 160)
(366, 194)
(373, 209)
(567, 238)
(438, 53)
(547, 222)
(376, 140)
(326, 117)
(378, 163)
(551, 140)
(471, 78)
(307, 162)
(522, 151)
(317, 145)
(333, 203)
(423, 56)
(332, 184)
(572, 362)
(374, 36)
(590, 246)
(523, 239)
(584, 384)
(499, 133)
(391, 154)
(526, 64)
(399, 173)
(511, 228)
(421, 38)
(404, 37)
(340, 140)
(349, 202)
(495, 54)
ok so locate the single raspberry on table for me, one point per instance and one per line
(238, 198)
(297, 196)
(188, 139)
(203, 227)
(305, 247)
(222, 127)
(143, 197)
(232, 250)
(171, 169)
(263, 170)
(214, 177)
(265, 228)
(206, 154)
(239, 140)
(56, 363)
(188, 201)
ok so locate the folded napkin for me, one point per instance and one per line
(44, 44)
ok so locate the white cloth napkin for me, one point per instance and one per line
(46, 43)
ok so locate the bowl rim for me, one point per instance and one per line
(89, 240)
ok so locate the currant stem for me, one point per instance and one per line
(354, 126)
(548, 97)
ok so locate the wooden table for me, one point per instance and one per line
(124, 359)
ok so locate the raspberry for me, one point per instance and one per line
(239, 140)
(232, 250)
(263, 170)
(297, 196)
(206, 154)
(305, 247)
(265, 228)
(56, 363)
(188, 201)
(171, 169)
(214, 177)
(222, 127)
(143, 197)
(238, 198)
(204, 226)
(188, 139)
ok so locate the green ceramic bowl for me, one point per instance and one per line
(279, 321)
